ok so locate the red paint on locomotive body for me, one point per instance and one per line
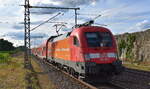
(88, 50)
(78, 52)
(101, 53)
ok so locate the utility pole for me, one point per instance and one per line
(76, 16)
(27, 53)
(27, 44)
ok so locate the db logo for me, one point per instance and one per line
(104, 55)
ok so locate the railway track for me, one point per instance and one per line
(107, 86)
(86, 85)
(133, 79)
(129, 79)
(138, 72)
(76, 83)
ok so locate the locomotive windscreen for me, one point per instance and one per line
(99, 39)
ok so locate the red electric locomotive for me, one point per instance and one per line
(86, 52)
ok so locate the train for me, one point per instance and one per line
(87, 52)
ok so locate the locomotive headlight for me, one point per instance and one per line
(112, 55)
(87, 57)
(91, 55)
(94, 55)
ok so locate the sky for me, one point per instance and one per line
(120, 16)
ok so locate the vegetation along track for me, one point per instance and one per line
(133, 79)
(64, 80)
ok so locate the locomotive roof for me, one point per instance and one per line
(63, 36)
(60, 37)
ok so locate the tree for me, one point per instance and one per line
(5, 45)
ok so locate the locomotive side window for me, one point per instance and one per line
(98, 39)
(44, 48)
(75, 41)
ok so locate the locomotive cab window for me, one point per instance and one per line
(75, 41)
(106, 39)
(92, 39)
(98, 39)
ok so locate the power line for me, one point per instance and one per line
(97, 17)
(87, 14)
(58, 22)
(34, 37)
(70, 18)
(45, 22)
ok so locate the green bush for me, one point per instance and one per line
(4, 57)
(127, 44)
(121, 46)
(5, 45)
(130, 44)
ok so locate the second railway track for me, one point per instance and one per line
(133, 79)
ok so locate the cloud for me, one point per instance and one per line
(20, 35)
(72, 3)
(32, 23)
(42, 11)
(15, 35)
(141, 26)
(59, 3)
(17, 38)
(15, 42)
(118, 14)
(18, 27)
(38, 35)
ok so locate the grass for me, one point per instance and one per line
(141, 66)
(4, 57)
(42, 77)
(13, 75)
(32, 80)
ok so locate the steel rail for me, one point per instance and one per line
(80, 81)
(87, 85)
(72, 77)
